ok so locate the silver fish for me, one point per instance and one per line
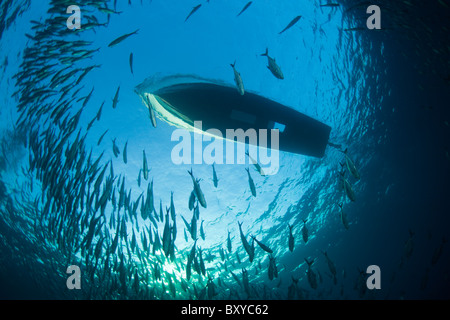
(238, 80)
(273, 67)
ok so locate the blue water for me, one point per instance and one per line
(384, 93)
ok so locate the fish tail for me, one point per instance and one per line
(304, 220)
(266, 54)
(309, 263)
(233, 64)
(190, 172)
(340, 205)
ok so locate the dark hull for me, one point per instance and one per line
(220, 107)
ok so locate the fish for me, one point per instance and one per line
(215, 180)
(250, 251)
(355, 29)
(292, 289)
(211, 289)
(116, 98)
(262, 245)
(202, 232)
(343, 216)
(238, 258)
(86, 71)
(193, 11)
(438, 252)
(351, 166)
(101, 137)
(222, 254)
(305, 232)
(275, 269)
(145, 165)
(409, 245)
(116, 150)
(294, 21)
(139, 178)
(238, 80)
(109, 11)
(272, 66)
(151, 112)
(197, 212)
(291, 238)
(99, 112)
(194, 228)
(122, 38)
(91, 123)
(197, 190)
(172, 207)
(88, 97)
(131, 63)
(202, 263)
(312, 278)
(272, 270)
(255, 164)
(245, 8)
(229, 242)
(124, 153)
(348, 190)
(191, 200)
(251, 183)
(235, 277)
(166, 235)
(330, 263)
(161, 213)
(347, 186)
(332, 5)
(187, 224)
(191, 257)
(245, 282)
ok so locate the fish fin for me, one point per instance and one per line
(266, 54)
